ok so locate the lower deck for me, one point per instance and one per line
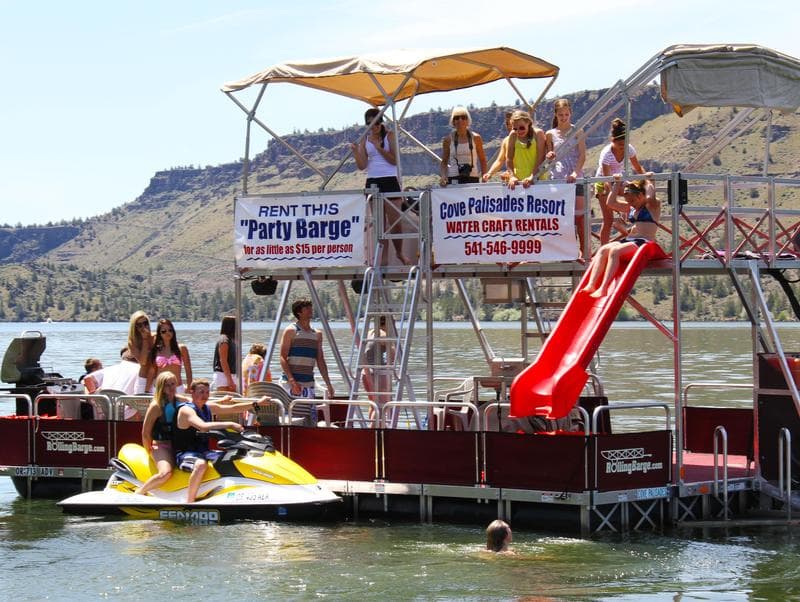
(575, 483)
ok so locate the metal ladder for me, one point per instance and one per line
(380, 353)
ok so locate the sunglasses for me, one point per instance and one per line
(165, 330)
(520, 128)
(459, 117)
(143, 323)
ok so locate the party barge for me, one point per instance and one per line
(531, 438)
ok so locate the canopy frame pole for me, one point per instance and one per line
(250, 115)
(348, 154)
(390, 102)
(276, 136)
(768, 136)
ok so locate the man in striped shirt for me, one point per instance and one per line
(301, 350)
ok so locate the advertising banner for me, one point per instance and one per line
(299, 231)
(494, 224)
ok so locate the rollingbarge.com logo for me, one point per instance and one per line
(628, 461)
(70, 442)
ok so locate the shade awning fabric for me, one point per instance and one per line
(741, 75)
(403, 74)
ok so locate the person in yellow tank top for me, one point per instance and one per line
(525, 150)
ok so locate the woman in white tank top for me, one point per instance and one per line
(376, 152)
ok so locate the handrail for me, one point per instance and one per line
(721, 433)
(629, 406)
(429, 404)
(711, 385)
(341, 402)
(495, 405)
(785, 467)
(22, 396)
(76, 396)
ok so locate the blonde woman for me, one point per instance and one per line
(157, 430)
(140, 342)
(569, 166)
(525, 150)
(463, 158)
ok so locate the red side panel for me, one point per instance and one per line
(441, 457)
(15, 433)
(699, 424)
(343, 454)
(544, 462)
(551, 385)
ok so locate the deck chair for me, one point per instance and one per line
(113, 395)
(134, 406)
(301, 413)
(461, 392)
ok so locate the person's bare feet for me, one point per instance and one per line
(598, 294)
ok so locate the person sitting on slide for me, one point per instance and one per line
(644, 211)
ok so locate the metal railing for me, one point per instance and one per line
(630, 406)
(414, 405)
(22, 396)
(77, 397)
(721, 434)
(785, 468)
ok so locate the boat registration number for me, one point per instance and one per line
(652, 492)
(34, 471)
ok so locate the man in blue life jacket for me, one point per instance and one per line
(193, 421)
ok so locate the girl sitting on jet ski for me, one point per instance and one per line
(157, 430)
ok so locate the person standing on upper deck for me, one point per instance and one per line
(569, 166)
(301, 350)
(377, 153)
(463, 158)
(525, 150)
(611, 162)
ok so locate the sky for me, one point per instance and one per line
(97, 96)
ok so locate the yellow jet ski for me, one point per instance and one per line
(250, 480)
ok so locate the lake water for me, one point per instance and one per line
(47, 555)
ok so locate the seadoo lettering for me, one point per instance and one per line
(196, 517)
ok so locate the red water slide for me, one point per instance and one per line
(551, 385)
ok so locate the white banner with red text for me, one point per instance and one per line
(299, 231)
(492, 223)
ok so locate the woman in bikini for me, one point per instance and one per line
(644, 211)
(168, 356)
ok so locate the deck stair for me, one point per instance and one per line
(384, 323)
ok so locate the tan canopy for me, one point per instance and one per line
(741, 75)
(404, 73)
